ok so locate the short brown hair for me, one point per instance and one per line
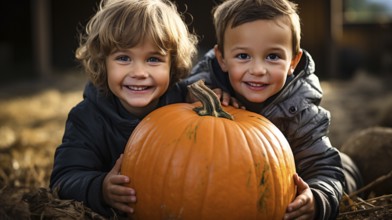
(122, 24)
(232, 13)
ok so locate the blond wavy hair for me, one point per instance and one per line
(122, 24)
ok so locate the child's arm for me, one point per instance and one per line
(317, 162)
(114, 193)
(84, 158)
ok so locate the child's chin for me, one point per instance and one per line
(256, 99)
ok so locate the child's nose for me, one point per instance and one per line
(138, 71)
(258, 68)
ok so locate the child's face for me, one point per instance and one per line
(138, 76)
(258, 58)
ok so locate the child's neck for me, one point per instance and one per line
(140, 112)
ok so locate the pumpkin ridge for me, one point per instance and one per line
(279, 173)
(281, 155)
(264, 179)
(286, 156)
(149, 169)
(188, 166)
(253, 173)
(210, 176)
(166, 182)
(162, 197)
(240, 126)
(284, 164)
(267, 179)
(140, 160)
(278, 154)
(135, 154)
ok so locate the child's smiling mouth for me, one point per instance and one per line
(137, 88)
(256, 85)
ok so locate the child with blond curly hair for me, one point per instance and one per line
(134, 52)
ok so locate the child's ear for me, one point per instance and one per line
(295, 61)
(219, 57)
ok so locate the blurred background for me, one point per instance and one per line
(38, 37)
(350, 41)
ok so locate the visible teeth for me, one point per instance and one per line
(255, 84)
(137, 88)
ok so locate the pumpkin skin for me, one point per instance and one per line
(186, 166)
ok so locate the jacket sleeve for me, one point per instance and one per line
(208, 70)
(317, 162)
(200, 72)
(79, 169)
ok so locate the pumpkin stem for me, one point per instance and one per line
(210, 101)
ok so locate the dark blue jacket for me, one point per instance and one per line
(96, 132)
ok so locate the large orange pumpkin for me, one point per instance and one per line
(186, 166)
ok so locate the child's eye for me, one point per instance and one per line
(273, 57)
(123, 58)
(243, 56)
(153, 59)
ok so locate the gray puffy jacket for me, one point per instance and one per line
(296, 112)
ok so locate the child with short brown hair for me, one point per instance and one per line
(258, 60)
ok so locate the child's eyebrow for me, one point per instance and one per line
(239, 48)
(158, 53)
(276, 48)
(118, 50)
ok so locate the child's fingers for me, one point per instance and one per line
(296, 204)
(122, 207)
(116, 168)
(300, 208)
(223, 96)
(226, 98)
(124, 198)
(118, 179)
(218, 92)
(114, 175)
(235, 103)
(122, 190)
(301, 184)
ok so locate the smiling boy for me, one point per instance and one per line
(134, 52)
(258, 61)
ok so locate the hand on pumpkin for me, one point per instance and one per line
(226, 99)
(303, 206)
(115, 193)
